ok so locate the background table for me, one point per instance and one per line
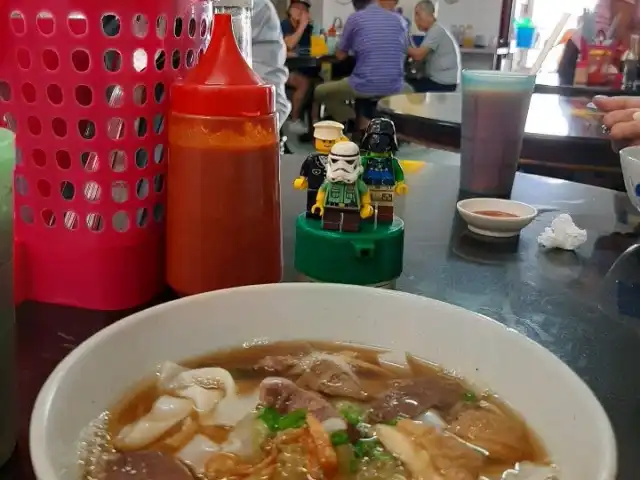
(549, 83)
(569, 302)
(563, 139)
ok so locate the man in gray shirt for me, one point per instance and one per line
(439, 52)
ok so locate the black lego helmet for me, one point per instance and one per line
(380, 137)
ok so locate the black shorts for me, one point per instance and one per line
(422, 85)
(309, 72)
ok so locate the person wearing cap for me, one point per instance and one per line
(313, 170)
(297, 30)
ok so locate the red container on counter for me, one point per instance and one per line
(223, 190)
(84, 85)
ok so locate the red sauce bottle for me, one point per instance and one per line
(223, 187)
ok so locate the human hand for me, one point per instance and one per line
(622, 117)
(304, 20)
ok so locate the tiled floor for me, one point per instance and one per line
(407, 152)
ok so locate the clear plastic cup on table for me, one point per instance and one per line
(7, 310)
(494, 113)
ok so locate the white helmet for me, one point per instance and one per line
(343, 163)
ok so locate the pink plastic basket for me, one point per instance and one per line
(84, 85)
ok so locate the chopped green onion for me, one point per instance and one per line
(295, 419)
(371, 448)
(340, 438)
(352, 413)
(470, 397)
(360, 449)
(271, 418)
(393, 422)
(276, 422)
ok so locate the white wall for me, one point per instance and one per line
(483, 15)
(334, 8)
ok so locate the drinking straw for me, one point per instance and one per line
(549, 44)
(612, 27)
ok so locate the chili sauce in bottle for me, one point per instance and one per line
(223, 187)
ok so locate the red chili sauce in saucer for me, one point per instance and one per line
(495, 213)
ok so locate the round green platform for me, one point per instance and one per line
(372, 256)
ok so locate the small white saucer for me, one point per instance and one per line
(496, 226)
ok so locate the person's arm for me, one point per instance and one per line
(269, 53)
(292, 35)
(346, 40)
(432, 39)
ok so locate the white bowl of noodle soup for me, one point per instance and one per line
(553, 401)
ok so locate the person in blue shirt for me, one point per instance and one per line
(297, 30)
(378, 39)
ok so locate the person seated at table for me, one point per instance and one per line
(606, 11)
(442, 64)
(378, 39)
(392, 6)
(297, 30)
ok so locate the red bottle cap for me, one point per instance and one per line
(222, 84)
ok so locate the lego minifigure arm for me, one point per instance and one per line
(398, 173)
(400, 188)
(318, 207)
(305, 168)
(301, 183)
(366, 210)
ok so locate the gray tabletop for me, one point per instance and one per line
(569, 302)
(582, 306)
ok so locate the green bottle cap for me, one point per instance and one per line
(370, 257)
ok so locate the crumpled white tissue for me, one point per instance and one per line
(563, 233)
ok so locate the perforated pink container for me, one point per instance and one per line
(84, 85)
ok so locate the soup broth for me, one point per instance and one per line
(311, 410)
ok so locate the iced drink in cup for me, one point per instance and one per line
(494, 113)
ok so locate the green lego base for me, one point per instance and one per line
(372, 256)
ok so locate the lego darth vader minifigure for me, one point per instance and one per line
(382, 172)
